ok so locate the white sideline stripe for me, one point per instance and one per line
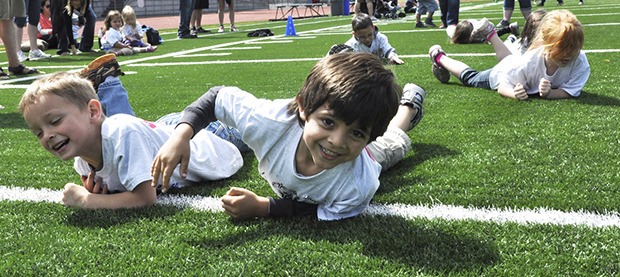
(237, 48)
(275, 41)
(446, 212)
(202, 55)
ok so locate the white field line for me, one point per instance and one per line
(446, 212)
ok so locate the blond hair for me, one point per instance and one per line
(75, 89)
(128, 12)
(560, 34)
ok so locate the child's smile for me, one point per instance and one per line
(328, 142)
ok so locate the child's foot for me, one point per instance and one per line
(23, 70)
(442, 74)
(429, 23)
(233, 28)
(482, 31)
(101, 68)
(221, 30)
(339, 48)
(413, 96)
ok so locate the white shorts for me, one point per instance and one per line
(390, 148)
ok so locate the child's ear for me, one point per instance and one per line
(302, 115)
(95, 109)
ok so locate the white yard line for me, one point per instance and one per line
(446, 212)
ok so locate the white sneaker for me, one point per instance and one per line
(38, 54)
(21, 56)
(221, 30)
(234, 29)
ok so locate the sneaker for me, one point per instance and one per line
(514, 28)
(188, 35)
(339, 48)
(221, 30)
(413, 96)
(234, 29)
(151, 49)
(420, 25)
(37, 54)
(21, 56)
(580, 2)
(429, 23)
(373, 19)
(560, 2)
(502, 24)
(192, 31)
(101, 68)
(442, 74)
(201, 30)
(483, 30)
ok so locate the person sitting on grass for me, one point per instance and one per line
(366, 38)
(112, 40)
(321, 152)
(112, 154)
(132, 30)
(554, 67)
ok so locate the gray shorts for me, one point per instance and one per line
(425, 6)
(12, 8)
(390, 148)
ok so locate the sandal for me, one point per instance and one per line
(22, 70)
(3, 75)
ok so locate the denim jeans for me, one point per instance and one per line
(449, 11)
(88, 33)
(185, 13)
(477, 79)
(113, 97)
(218, 128)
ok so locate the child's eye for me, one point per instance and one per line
(328, 122)
(358, 134)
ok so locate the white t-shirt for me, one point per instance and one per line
(129, 145)
(341, 192)
(379, 46)
(133, 31)
(110, 37)
(529, 68)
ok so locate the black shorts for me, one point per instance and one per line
(201, 4)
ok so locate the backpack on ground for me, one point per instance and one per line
(152, 35)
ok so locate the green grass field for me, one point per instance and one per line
(550, 168)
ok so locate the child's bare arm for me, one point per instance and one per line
(78, 196)
(174, 151)
(518, 92)
(243, 203)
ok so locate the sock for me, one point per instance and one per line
(491, 35)
(438, 57)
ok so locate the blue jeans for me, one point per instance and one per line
(218, 128)
(113, 97)
(449, 11)
(88, 33)
(185, 13)
(472, 78)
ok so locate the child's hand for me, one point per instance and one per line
(544, 87)
(94, 185)
(74, 195)
(176, 150)
(242, 203)
(520, 92)
(397, 60)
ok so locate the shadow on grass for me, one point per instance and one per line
(12, 121)
(109, 218)
(598, 100)
(411, 243)
(398, 175)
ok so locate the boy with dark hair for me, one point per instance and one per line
(321, 152)
(366, 38)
